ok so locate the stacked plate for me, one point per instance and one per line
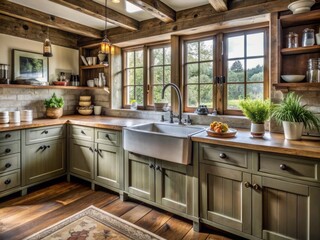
(4, 117)
(26, 115)
(14, 116)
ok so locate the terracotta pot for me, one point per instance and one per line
(292, 130)
(257, 130)
(54, 112)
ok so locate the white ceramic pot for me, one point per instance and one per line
(257, 130)
(292, 130)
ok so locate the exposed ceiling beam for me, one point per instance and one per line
(202, 17)
(96, 10)
(157, 8)
(31, 15)
(25, 29)
(219, 5)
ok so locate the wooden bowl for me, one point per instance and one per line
(60, 83)
(85, 103)
(229, 134)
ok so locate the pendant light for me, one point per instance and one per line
(105, 44)
(47, 49)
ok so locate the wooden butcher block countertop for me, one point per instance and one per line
(271, 142)
(113, 123)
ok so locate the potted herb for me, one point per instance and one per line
(294, 117)
(54, 106)
(258, 111)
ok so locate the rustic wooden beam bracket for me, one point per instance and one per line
(219, 5)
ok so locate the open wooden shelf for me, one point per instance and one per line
(48, 87)
(94, 66)
(300, 19)
(300, 50)
(286, 87)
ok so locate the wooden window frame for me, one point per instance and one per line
(265, 69)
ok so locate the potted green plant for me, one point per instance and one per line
(54, 106)
(294, 116)
(258, 111)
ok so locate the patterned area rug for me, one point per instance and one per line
(96, 224)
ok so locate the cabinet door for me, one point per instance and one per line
(173, 186)
(43, 161)
(140, 176)
(109, 166)
(81, 158)
(224, 198)
(284, 210)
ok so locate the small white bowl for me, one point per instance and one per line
(293, 78)
(90, 83)
(301, 6)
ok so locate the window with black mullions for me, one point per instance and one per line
(199, 72)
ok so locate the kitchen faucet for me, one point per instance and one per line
(179, 99)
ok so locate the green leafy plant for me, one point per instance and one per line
(291, 110)
(54, 102)
(258, 111)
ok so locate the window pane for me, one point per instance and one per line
(157, 94)
(130, 59)
(130, 76)
(167, 74)
(167, 55)
(206, 50)
(157, 56)
(157, 75)
(192, 94)
(236, 47)
(192, 52)
(255, 70)
(193, 73)
(255, 44)
(139, 95)
(139, 76)
(235, 71)
(206, 95)
(130, 94)
(206, 72)
(235, 94)
(139, 58)
(255, 90)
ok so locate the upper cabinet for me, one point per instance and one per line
(294, 61)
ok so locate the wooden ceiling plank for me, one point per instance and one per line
(219, 5)
(96, 10)
(199, 17)
(157, 8)
(35, 16)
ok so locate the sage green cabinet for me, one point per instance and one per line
(81, 158)
(167, 184)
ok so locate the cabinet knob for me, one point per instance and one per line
(8, 150)
(222, 155)
(7, 165)
(90, 148)
(158, 168)
(283, 166)
(7, 135)
(108, 137)
(83, 132)
(247, 185)
(8, 181)
(151, 165)
(45, 132)
(256, 187)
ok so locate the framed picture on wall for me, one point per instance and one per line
(29, 67)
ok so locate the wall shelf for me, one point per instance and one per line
(300, 50)
(94, 66)
(48, 87)
(300, 19)
(286, 87)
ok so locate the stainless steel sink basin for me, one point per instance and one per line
(169, 142)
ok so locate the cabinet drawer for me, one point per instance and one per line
(9, 148)
(288, 166)
(36, 135)
(226, 155)
(9, 163)
(107, 137)
(9, 181)
(83, 133)
(9, 136)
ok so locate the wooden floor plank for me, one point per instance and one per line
(154, 220)
(119, 207)
(174, 229)
(136, 213)
(192, 235)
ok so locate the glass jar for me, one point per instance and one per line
(292, 40)
(313, 72)
(308, 37)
